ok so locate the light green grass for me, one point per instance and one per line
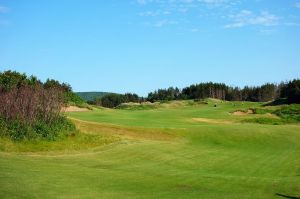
(162, 153)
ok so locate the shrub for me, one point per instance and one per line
(30, 109)
(291, 112)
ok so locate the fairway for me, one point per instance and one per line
(179, 149)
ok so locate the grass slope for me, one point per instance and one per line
(163, 153)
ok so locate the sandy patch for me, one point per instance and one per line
(239, 113)
(270, 115)
(251, 112)
(212, 121)
(74, 109)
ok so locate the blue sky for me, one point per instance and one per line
(141, 45)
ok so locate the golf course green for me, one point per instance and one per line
(179, 149)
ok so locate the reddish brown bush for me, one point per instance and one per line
(30, 103)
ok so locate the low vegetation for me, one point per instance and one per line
(286, 114)
(31, 110)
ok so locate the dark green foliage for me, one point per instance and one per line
(205, 90)
(165, 95)
(91, 96)
(265, 93)
(131, 97)
(12, 79)
(114, 100)
(292, 91)
(69, 95)
(51, 83)
(280, 94)
(276, 102)
(111, 100)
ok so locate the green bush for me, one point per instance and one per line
(39, 130)
(291, 112)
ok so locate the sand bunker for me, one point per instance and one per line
(250, 112)
(270, 115)
(74, 109)
(239, 113)
(212, 121)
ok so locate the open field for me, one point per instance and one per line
(175, 150)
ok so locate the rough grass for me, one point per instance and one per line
(73, 142)
(162, 153)
(284, 114)
(138, 106)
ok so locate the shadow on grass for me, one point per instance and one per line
(286, 196)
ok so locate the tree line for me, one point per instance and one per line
(288, 92)
(113, 100)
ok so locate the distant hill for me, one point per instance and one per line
(89, 96)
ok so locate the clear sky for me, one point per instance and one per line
(141, 45)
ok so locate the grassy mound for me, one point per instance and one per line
(138, 106)
(285, 114)
(165, 104)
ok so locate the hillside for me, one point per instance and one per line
(89, 96)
